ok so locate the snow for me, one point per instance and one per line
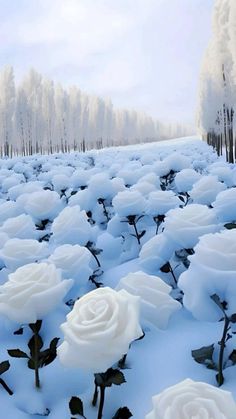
(51, 221)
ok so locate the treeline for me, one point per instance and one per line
(38, 116)
(216, 114)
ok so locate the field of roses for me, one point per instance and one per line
(118, 284)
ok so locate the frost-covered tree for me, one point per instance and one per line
(7, 105)
(39, 117)
(217, 96)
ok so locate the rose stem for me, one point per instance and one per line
(136, 231)
(36, 360)
(220, 377)
(172, 273)
(5, 386)
(95, 396)
(101, 403)
(95, 257)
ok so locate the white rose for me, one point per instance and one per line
(18, 252)
(129, 203)
(204, 191)
(156, 252)
(160, 202)
(99, 329)
(43, 205)
(156, 304)
(74, 261)
(21, 227)
(32, 291)
(212, 271)
(185, 225)
(71, 226)
(185, 179)
(9, 209)
(224, 205)
(193, 400)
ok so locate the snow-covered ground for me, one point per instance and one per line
(120, 217)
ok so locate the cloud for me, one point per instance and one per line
(141, 53)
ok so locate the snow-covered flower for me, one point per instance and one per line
(128, 203)
(32, 291)
(212, 271)
(156, 304)
(71, 226)
(185, 179)
(155, 253)
(160, 202)
(9, 209)
(43, 205)
(205, 190)
(74, 261)
(193, 400)
(18, 252)
(177, 161)
(99, 329)
(185, 225)
(21, 227)
(225, 205)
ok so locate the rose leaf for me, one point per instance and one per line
(123, 413)
(232, 357)
(17, 353)
(76, 406)
(204, 356)
(4, 366)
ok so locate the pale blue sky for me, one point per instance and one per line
(143, 54)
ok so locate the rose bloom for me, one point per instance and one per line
(99, 329)
(32, 291)
(156, 304)
(212, 271)
(18, 252)
(156, 252)
(160, 202)
(224, 205)
(193, 400)
(74, 261)
(71, 226)
(43, 205)
(205, 190)
(128, 203)
(21, 227)
(185, 225)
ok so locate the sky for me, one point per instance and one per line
(143, 54)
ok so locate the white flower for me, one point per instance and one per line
(18, 252)
(43, 205)
(129, 203)
(71, 226)
(74, 261)
(204, 191)
(156, 304)
(160, 202)
(177, 161)
(212, 271)
(9, 209)
(225, 206)
(32, 291)
(21, 227)
(185, 179)
(156, 252)
(99, 329)
(185, 225)
(193, 400)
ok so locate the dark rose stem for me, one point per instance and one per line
(102, 400)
